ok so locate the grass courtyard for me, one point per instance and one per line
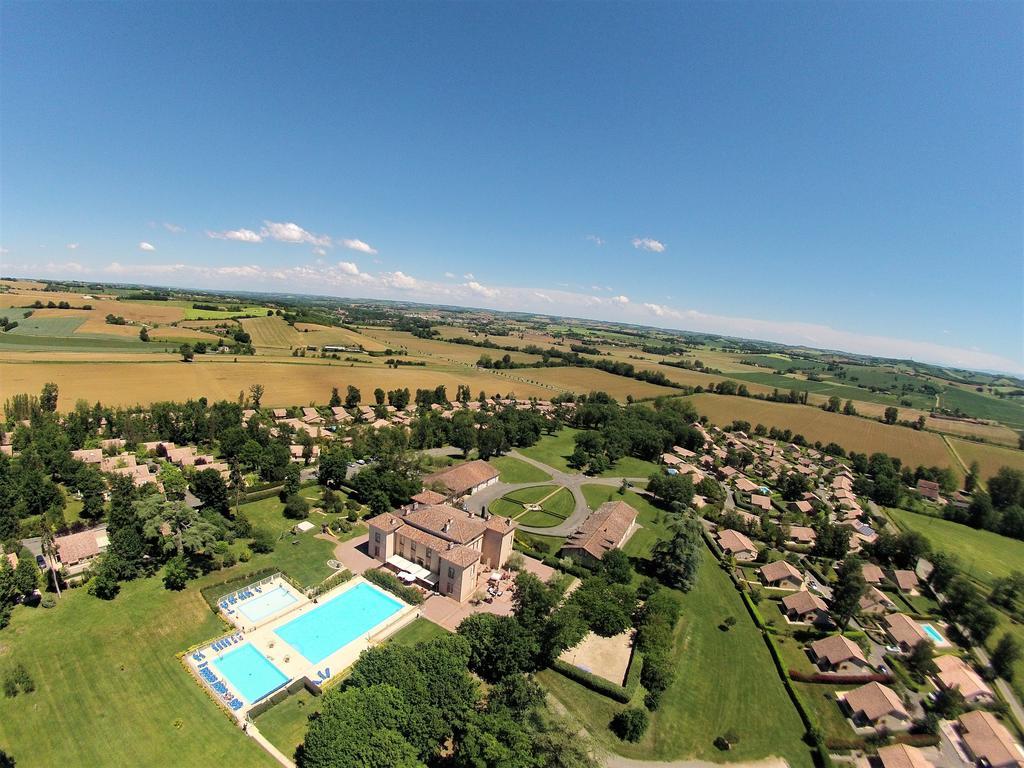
(724, 681)
(555, 450)
(513, 470)
(556, 504)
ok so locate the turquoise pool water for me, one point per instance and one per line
(249, 672)
(933, 633)
(266, 603)
(334, 624)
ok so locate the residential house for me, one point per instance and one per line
(801, 507)
(872, 573)
(607, 527)
(906, 581)
(837, 653)
(805, 608)
(904, 631)
(876, 705)
(465, 479)
(901, 756)
(988, 741)
(279, 413)
(737, 545)
(956, 674)
(929, 490)
(875, 601)
(780, 575)
(802, 534)
(745, 485)
(88, 455)
(761, 503)
(76, 551)
(441, 546)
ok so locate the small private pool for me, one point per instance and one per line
(267, 603)
(934, 634)
(336, 623)
(249, 672)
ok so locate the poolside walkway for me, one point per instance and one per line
(270, 749)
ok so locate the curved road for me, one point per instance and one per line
(572, 481)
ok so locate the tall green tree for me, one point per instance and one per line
(848, 590)
(676, 560)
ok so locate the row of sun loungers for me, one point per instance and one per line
(323, 675)
(220, 645)
(220, 688)
(227, 602)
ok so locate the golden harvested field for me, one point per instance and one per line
(177, 332)
(995, 433)
(271, 332)
(584, 380)
(137, 311)
(201, 324)
(28, 285)
(287, 383)
(98, 325)
(437, 349)
(989, 457)
(14, 355)
(313, 333)
(854, 434)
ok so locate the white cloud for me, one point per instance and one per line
(320, 251)
(290, 232)
(543, 297)
(240, 235)
(620, 299)
(449, 275)
(598, 241)
(146, 246)
(649, 244)
(359, 245)
(468, 276)
(173, 228)
(72, 246)
(480, 290)
(401, 281)
(348, 268)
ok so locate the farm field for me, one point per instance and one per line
(191, 313)
(109, 689)
(854, 434)
(39, 325)
(435, 348)
(994, 433)
(983, 406)
(989, 457)
(311, 333)
(271, 331)
(984, 555)
(181, 334)
(221, 378)
(588, 380)
(90, 347)
(724, 681)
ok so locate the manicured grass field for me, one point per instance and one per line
(984, 555)
(512, 470)
(302, 556)
(555, 450)
(724, 681)
(852, 433)
(650, 519)
(272, 331)
(821, 699)
(989, 457)
(1007, 624)
(558, 504)
(109, 689)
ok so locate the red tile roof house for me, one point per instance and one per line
(906, 581)
(875, 601)
(801, 507)
(465, 479)
(77, 550)
(762, 503)
(801, 534)
(737, 545)
(954, 673)
(988, 741)
(805, 608)
(904, 631)
(839, 654)
(929, 490)
(442, 546)
(872, 573)
(780, 575)
(745, 485)
(875, 705)
(607, 527)
(901, 756)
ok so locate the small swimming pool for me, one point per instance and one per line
(334, 624)
(249, 672)
(933, 633)
(266, 603)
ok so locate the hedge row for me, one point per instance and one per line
(390, 582)
(266, 493)
(330, 582)
(597, 684)
(212, 593)
(910, 739)
(573, 568)
(839, 679)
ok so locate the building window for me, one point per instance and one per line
(376, 551)
(449, 589)
(376, 536)
(413, 547)
(451, 574)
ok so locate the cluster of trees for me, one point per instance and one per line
(16, 583)
(405, 707)
(611, 432)
(1001, 509)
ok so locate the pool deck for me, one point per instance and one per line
(234, 615)
(287, 659)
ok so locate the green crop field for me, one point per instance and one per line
(989, 457)
(724, 681)
(272, 332)
(1009, 412)
(191, 313)
(984, 555)
(48, 326)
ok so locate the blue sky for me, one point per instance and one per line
(839, 175)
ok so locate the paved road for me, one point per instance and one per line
(617, 761)
(572, 481)
(1003, 686)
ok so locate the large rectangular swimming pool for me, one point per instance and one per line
(249, 672)
(266, 603)
(334, 624)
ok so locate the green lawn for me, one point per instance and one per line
(984, 555)
(1007, 624)
(285, 723)
(724, 681)
(821, 700)
(558, 504)
(555, 450)
(514, 470)
(652, 520)
(302, 556)
(109, 690)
